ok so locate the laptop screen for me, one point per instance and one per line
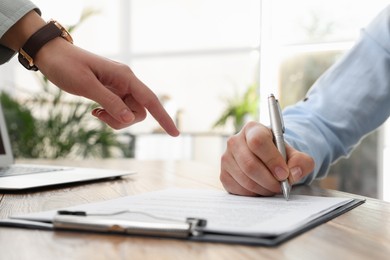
(2, 149)
(6, 156)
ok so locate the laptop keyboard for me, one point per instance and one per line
(22, 170)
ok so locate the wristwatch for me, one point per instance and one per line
(45, 34)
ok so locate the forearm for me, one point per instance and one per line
(11, 11)
(18, 34)
(346, 103)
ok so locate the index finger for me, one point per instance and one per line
(151, 102)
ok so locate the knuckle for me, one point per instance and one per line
(142, 114)
(250, 185)
(249, 167)
(250, 124)
(272, 162)
(232, 142)
(109, 100)
(224, 158)
(223, 177)
(124, 68)
(255, 142)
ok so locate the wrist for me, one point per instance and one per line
(38, 40)
(50, 54)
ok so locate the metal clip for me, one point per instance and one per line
(81, 221)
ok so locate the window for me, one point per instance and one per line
(307, 37)
(195, 54)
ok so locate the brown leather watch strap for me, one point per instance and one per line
(47, 33)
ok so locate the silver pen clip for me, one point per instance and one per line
(280, 115)
(160, 227)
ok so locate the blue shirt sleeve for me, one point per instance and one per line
(347, 102)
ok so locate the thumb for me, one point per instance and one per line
(299, 163)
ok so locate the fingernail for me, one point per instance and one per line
(126, 115)
(280, 173)
(296, 173)
(95, 111)
(99, 112)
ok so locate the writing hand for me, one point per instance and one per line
(252, 165)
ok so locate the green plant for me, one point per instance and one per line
(22, 128)
(239, 107)
(66, 130)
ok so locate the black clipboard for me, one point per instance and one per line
(272, 241)
(191, 230)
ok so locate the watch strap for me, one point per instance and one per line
(45, 34)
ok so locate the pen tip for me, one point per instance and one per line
(286, 195)
(286, 189)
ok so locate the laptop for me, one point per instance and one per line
(15, 177)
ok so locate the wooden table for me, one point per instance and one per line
(363, 233)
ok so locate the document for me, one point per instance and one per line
(226, 214)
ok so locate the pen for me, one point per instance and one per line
(277, 127)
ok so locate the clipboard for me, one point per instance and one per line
(191, 229)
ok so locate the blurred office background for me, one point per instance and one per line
(208, 60)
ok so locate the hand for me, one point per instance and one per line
(252, 165)
(113, 85)
(123, 97)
